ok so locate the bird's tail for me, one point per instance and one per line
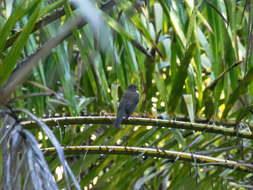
(119, 119)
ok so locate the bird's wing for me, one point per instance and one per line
(132, 102)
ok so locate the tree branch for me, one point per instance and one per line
(143, 121)
(160, 153)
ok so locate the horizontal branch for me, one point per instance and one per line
(204, 120)
(219, 129)
(159, 153)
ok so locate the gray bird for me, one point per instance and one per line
(127, 104)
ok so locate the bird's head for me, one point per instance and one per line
(133, 88)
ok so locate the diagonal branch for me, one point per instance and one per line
(221, 75)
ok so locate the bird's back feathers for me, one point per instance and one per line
(127, 104)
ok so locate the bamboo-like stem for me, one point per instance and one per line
(219, 129)
(158, 153)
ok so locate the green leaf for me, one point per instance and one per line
(13, 55)
(16, 15)
(189, 104)
(240, 90)
(180, 76)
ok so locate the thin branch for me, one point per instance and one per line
(49, 91)
(160, 153)
(240, 185)
(219, 13)
(142, 49)
(36, 94)
(213, 84)
(216, 150)
(142, 121)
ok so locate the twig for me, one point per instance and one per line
(213, 84)
(30, 96)
(219, 13)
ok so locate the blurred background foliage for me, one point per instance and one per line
(191, 60)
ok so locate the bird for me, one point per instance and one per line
(127, 104)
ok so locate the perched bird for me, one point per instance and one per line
(127, 104)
